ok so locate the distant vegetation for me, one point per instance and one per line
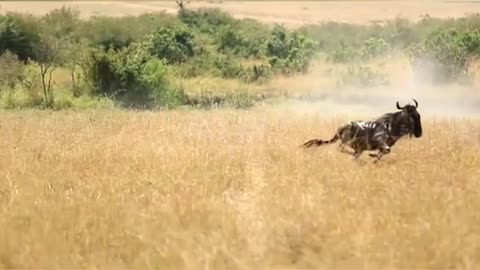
(140, 61)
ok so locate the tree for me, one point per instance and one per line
(56, 46)
(48, 55)
(173, 44)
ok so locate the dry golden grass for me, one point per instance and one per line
(231, 189)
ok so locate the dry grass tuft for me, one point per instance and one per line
(230, 189)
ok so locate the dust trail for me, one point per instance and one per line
(434, 102)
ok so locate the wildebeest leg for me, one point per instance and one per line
(357, 154)
(383, 151)
(342, 148)
(378, 157)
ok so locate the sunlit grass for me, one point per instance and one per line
(230, 189)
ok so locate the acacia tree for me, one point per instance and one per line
(57, 46)
(48, 54)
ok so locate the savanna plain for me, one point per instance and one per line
(228, 187)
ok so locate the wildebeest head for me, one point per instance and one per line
(410, 112)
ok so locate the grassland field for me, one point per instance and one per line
(231, 189)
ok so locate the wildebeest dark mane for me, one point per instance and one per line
(404, 122)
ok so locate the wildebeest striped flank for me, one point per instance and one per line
(380, 134)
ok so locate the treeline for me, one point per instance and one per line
(439, 50)
(136, 61)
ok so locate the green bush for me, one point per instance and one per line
(199, 65)
(131, 60)
(63, 23)
(231, 40)
(289, 52)
(226, 67)
(207, 20)
(64, 99)
(374, 47)
(11, 70)
(174, 44)
(443, 54)
(132, 77)
(120, 32)
(19, 35)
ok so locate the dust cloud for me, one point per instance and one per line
(453, 101)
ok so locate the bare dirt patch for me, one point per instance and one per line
(290, 13)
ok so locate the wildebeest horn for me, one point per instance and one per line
(416, 103)
(398, 106)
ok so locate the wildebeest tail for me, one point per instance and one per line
(318, 142)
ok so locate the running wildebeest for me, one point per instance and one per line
(380, 134)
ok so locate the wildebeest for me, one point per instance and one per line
(380, 134)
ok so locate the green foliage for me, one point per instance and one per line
(16, 98)
(62, 23)
(223, 66)
(289, 53)
(130, 76)
(374, 47)
(230, 40)
(21, 98)
(132, 60)
(370, 48)
(226, 66)
(173, 44)
(64, 99)
(116, 33)
(11, 70)
(207, 20)
(444, 53)
(18, 35)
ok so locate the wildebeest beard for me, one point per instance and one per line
(417, 126)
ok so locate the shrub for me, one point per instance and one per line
(19, 35)
(443, 54)
(63, 23)
(64, 99)
(289, 52)
(374, 47)
(227, 66)
(231, 40)
(11, 70)
(174, 45)
(199, 65)
(15, 98)
(131, 76)
(255, 35)
(116, 33)
(207, 20)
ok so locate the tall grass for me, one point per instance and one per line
(228, 190)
